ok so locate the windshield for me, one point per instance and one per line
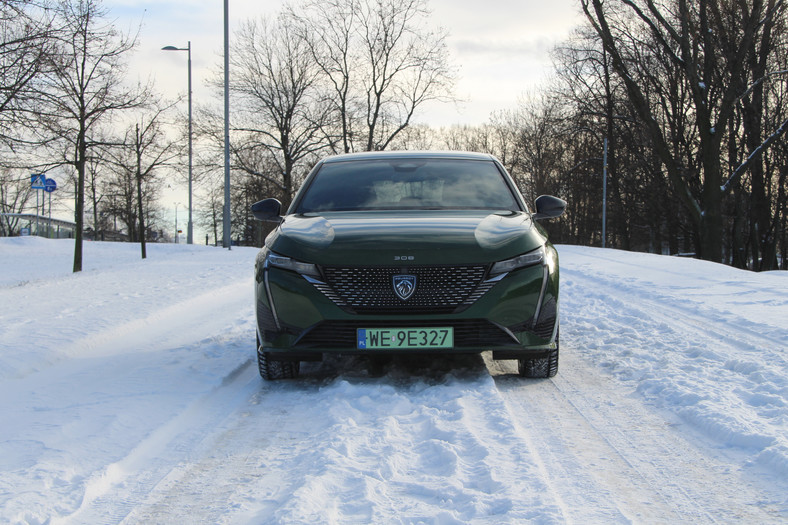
(407, 184)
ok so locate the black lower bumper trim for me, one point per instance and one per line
(468, 333)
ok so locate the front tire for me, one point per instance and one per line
(540, 368)
(272, 369)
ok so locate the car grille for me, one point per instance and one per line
(468, 333)
(370, 290)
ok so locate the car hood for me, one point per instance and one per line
(394, 238)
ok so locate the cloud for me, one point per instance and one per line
(499, 49)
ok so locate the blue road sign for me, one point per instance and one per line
(38, 181)
(50, 185)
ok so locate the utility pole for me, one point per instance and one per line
(604, 193)
(226, 241)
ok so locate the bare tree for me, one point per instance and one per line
(381, 60)
(281, 112)
(763, 229)
(327, 28)
(406, 66)
(596, 111)
(93, 187)
(706, 43)
(83, 88)
(144, 151)
(118, 202)
(26, 40)
(210, 211)
(15, 194)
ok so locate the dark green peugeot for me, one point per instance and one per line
(407, 252)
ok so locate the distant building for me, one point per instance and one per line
(31, 224)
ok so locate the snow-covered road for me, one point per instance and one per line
(128, 395)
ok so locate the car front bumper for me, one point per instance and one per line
(515, 318)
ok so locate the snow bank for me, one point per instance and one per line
(705, 341)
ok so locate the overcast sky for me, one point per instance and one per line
(501, 47)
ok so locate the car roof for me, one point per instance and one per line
(381, 155)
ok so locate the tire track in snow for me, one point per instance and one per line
(111, 495)
(159, 361)
(686, 362)
(613, 460)
(745, 335)
(614, 455)
(171, 324)
(99, 326)
(355, 449)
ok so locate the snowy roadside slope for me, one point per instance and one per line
(93, 363)
(118, 304)
(704, 341)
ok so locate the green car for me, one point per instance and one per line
(407, 252)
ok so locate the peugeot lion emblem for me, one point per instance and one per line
(404, 286)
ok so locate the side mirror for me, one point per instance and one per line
(268, 210)
(549, 207)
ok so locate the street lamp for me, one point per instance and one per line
(226, 241)
(188, 49)
(176, 221)
(604, 192)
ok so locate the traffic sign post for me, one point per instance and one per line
(39, 182)
(49, 187)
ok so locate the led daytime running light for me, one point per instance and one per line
(521, 261)
(286, 263)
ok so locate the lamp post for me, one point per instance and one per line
(188, 49)
(226, 227)
(604, 193)
(176, 221)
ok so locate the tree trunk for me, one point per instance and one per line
(140, 210)
(710, 230)
(763, 241)
(141, 216)
(79, 211)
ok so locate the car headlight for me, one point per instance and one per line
(521, 261)
(288, 263)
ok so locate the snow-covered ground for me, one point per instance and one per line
(128, 394)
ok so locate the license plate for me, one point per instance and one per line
(407, 338)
